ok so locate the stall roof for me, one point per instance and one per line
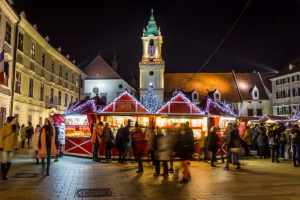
(125, 103)
(86, 106)
(215, 108)
(272, 118)
(297, 116)
(180, 104)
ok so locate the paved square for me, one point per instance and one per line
(258, 179)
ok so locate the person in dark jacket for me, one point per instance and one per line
(262, 143)
(273, 144)
(122, 142)
(108, 136)
(185, 149)
(280, 137)
(254, 135)
(213, 140)
(29, 133)
(234, 142)
(295, 140)
(57, 136)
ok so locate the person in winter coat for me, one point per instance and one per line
(8, 144)
(151, 151)
(213, 140)
(29, 133)
(138, 143)
(35, 141)
(163, 152)
(295, 140)
(280, 136)
(262, 143)
(96, 140)
(57, 136)
(47, 144)
(287, 143)
(233, 140)
(122, 138)
(202, 144)
(273, 144)
(220, 144)
(185, 150)
(23, 134)
(62, 138)
(247, 141)
(108, 137)
(254, 135)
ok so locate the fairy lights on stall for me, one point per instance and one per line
(75, 109)
(186, 100)
(223, 108)
(273, 118)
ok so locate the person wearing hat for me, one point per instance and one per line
(8, 144)
(96, 140)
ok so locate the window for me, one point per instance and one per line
(42, 93)
(30, 92)
(43, 59)
(60, 71)
(76, 81)
(287, 110)
(66, 75)
(8, 33)
(287, 93)
(5, 79)
(71, 99)
(29, 119)
(250, 112)
(195, 96)
(280, 111)
(151, 47)
(20, 41)
(255, 93)
(279, 95)
(76, 100)
(51, 95)
(120, 86)
(66, 99)
(81, 83)
(217, 96)
(40, 121)
(59, 98)
(52, 66)
(18, 83)
(151, 73)
(32, 51)
(258, 112)
(103, 98)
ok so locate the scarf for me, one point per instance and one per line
(43, 150)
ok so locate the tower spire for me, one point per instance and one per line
(152, 17)
(114, 61)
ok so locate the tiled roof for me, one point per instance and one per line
(246, 83)
(98, 68)
(204, 83)
(287, 70)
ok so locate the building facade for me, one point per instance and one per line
(152, 66)
(286, 90)
(45, 81)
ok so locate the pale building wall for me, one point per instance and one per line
(262, 104)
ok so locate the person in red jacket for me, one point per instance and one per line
(220, 144)
(138, 143)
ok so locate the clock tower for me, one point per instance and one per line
(152, 66)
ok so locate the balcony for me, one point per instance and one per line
(152, 62)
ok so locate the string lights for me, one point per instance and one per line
(79, 109)
(180, 94)
(224, 108)
(273, 118)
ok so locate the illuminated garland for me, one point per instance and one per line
(225, 108)
(186, 99)
(116, 99)
(269, 118)
(74, 109)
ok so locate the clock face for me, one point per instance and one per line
(95, 90)
(151, 73)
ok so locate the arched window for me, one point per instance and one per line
(151, 42)
(255, 93)
(217, 96)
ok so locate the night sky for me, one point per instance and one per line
(265, 39)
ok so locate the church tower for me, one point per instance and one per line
(152, 66)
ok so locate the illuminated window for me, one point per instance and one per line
(59, 98)
(60, 71)
(30, 92)
(52, 66)
(51, 95)
(43, 59)
(32, 51)
(42, 93)
(66, 99)
(18, 83)
(20, 41)
(8, 33)
(67, 75)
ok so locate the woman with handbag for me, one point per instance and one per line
(8, 144)
(213, 140)
(109, 143)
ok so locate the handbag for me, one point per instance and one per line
(111, 142)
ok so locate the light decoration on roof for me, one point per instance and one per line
(75, 108)
(179, 93)
(223, 107)
(273, 118)
(116, 99)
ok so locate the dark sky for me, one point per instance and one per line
(266, 37)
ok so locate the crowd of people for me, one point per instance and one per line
(269, 141)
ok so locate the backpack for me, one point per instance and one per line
(282, 137)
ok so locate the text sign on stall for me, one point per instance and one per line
(125, 106)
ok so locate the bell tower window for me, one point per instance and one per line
(151, 47)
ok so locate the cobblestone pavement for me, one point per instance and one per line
(258, 179)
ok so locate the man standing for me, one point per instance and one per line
(96, 140)
(295, 140)
(247, 141)
(29, 133)
(108, 137)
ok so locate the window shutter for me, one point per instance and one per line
(298, 91)
(297, 77)
(293, 79)
(276, 95)
(284, 110)
(277, 110)
(293, 92)
(288, 79)
(290, 109)
(283, 94)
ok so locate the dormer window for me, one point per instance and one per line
(175, 92)
(195, 96)
(217, 96)
(255, 93)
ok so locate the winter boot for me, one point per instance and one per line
(37, 161)
(5, 170)
(2, 168)
(47, 172)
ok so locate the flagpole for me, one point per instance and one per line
(2, 47)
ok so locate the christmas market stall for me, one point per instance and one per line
(78, 125)
(123, 108)
(271, 120)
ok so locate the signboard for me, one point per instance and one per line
(125, 106)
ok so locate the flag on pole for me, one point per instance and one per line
(2, 67)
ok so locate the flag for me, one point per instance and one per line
(2, 67)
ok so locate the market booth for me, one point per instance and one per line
(119, 111)
(78, 125)
(270, 120)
